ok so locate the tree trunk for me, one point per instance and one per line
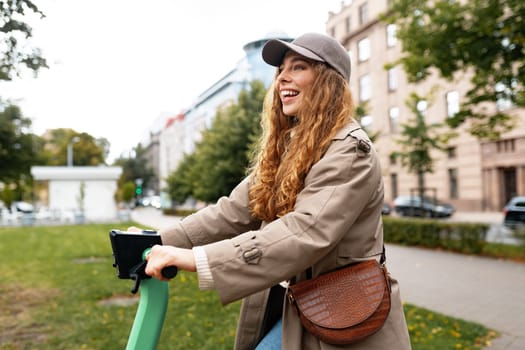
(421, 191)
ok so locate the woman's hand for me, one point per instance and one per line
(162, 256)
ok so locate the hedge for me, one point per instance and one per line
(466, 238)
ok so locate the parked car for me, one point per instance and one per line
(514, 213)
(386, 210)
(23, 207)
(411, 206)
(151, 201)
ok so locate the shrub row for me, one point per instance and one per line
(466, 238)
(178, 212)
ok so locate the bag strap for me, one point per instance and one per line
(382, 260)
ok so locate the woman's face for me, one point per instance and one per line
(296, 76)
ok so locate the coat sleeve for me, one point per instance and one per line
(227, 218)
(339, 190)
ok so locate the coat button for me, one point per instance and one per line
(252, 256)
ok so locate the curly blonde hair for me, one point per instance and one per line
(290, 146)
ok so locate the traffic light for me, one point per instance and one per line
(138, 187)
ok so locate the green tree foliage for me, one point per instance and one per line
(8, 196)
(128, 192)
(180, 183)
(133, 168)
(87, 150)
(14, 32)
(222, 157)
(483, 37)
(18, 147)
(418, 139)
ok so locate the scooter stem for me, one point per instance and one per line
(150, 315)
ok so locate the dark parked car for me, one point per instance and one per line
(411, 206)
(23, 207)
(514, 213)
(386, 210)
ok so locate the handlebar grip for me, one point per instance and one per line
(169, 271)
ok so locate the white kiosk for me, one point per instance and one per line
(74, 193)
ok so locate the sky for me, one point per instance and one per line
(117, 67)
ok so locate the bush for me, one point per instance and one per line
(178, 212)
(461, 237)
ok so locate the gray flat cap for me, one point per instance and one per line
(315, 46)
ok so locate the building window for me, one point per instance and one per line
(453, 183)
(393, 185)
(364, 88)
(366, 121)
(391, 38)
(363, 13)
(392, 79)
(348, 24)
(451, 152)
(393, 117)
(363, 49)
(505, 146)
(452, 99)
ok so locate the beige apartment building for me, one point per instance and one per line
(471, 175)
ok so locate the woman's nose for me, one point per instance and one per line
(283, 76)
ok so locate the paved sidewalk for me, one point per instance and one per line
(483, 290)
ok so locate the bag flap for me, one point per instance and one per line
(342, 298)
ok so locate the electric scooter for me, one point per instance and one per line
(129, 252)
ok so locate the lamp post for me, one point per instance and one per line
(70, 150)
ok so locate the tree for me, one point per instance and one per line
(87, 150)
(417, 141)
(14, 53)
(128, 192)
(7, 196)
(221, 159)
(485, 38)
(180, 182)
(133, 168)
(18, 149)
(223, 155)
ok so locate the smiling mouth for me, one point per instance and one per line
(287, 94)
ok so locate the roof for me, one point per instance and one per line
(76, 172)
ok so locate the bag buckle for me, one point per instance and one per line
(290, 297)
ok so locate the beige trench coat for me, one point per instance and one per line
(336, 221)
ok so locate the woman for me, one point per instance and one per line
(311, 202)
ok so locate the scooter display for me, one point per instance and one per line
(129, 252)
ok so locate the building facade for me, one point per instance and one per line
(152, 157)
(183, 131)
(472, 175)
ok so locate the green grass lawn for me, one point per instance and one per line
(54, 281)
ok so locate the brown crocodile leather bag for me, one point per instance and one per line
(345, 305)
